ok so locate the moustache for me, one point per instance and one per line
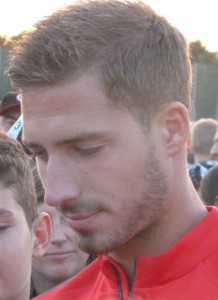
(81, 207)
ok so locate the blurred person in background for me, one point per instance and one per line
(214, 148)
(24, 233)
(10, 110)
(63, 258)
(209, 187)
(201, 140)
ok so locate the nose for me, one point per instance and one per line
(58, 232)
(60, 183)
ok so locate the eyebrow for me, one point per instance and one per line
(6, 212)
(74, 140)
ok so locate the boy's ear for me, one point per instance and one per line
(42, 234)
(174, 121)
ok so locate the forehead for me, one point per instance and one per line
(7, 198)
(71, 108)
(62, 98)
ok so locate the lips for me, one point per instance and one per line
(82, 221)
(60, 254)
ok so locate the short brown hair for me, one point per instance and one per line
(15, 173)
(142, 61)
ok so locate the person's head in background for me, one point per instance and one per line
(63, 259)
(10, 110)
(201, 141)
(23, 233)
(214, 148)
(209, 187)
(201, 138)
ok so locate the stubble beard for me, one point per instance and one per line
(140, 220)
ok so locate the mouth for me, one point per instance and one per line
(82, 221)
(60, 254)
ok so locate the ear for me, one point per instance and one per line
(42, 234)
(174, 121)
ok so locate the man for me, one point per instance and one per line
(9, 110)
(63, 258)
(209, 187)
(23, 232)
(214, 149)
(105, 90)
(201, 141)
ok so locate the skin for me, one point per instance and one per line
(115, 184)
(17, 245)
(214, 149)
(63, 259)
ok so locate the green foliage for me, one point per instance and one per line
(199, 54)
(5, 47)
(5, 85)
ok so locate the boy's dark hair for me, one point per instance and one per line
(209, 186)
(15, 174)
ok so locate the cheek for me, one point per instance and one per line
(122, 174)
(82, 257)
(39, 264)
(15, 259)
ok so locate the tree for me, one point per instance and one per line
(199, 54)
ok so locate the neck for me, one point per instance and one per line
(178, 220)
(24, 294)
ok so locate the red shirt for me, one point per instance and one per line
(188, 270)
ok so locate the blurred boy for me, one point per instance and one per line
(209, 187)
(214, 149)
(63, 259)
(23, 233)
(201, 141)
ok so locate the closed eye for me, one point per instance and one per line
(89, 150)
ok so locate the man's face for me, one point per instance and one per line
(16, 246)
(63, 259)
(214, 149)
(96, 163)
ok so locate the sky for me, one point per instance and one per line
(196, 19)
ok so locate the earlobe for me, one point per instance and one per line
(42, 234)
(175, 121)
